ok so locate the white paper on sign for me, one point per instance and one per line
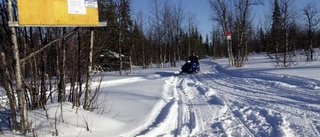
(91, 3)
(76, 7)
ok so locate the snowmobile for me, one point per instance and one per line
(190, 67)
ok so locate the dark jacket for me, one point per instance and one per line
(194, 59)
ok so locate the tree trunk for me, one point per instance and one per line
(161, 54)
(41, 100)
(10, 94)
(311, 51)
(230, 53)
(87, 102)
(77, 94)
(174, 54)
(62, 83)
(21, 93)
(120, 51)
(143, 56)
(130, 59)
(286, 52)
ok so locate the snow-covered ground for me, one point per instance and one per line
(256, 100)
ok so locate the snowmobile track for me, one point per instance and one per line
(216, 103)
(275, 96)
(229, 110)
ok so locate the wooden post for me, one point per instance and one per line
(21, 94)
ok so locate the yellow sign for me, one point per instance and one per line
(58, 13)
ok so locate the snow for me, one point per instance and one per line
(256, 100)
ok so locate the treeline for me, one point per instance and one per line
(52, 57)
(285, 32)
(158, 39)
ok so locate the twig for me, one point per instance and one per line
(22, 61)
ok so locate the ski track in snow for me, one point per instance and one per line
(224, 103)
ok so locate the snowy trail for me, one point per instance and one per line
(263, 103)
(217, 102)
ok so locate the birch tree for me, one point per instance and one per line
(21, 93)
(234, 17)
(243, 25)
(87, 99)
(221, 15)
(288, 16)
(312, 19)
(157, 32)
(6, 69)
(178, 17)
(275, 30)
(61, 61)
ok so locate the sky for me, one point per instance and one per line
(255, 100)
(201, 10)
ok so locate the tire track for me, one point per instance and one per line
(239, 100)
(165, 113)
(186, 118)
(204, 112)
(270, 100)
(177, 115)
(159, 119)
(239, 124)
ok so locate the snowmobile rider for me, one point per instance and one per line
(191, 65)
(194, 58)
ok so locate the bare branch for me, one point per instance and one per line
(22, 61)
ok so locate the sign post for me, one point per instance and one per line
(228, 34)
